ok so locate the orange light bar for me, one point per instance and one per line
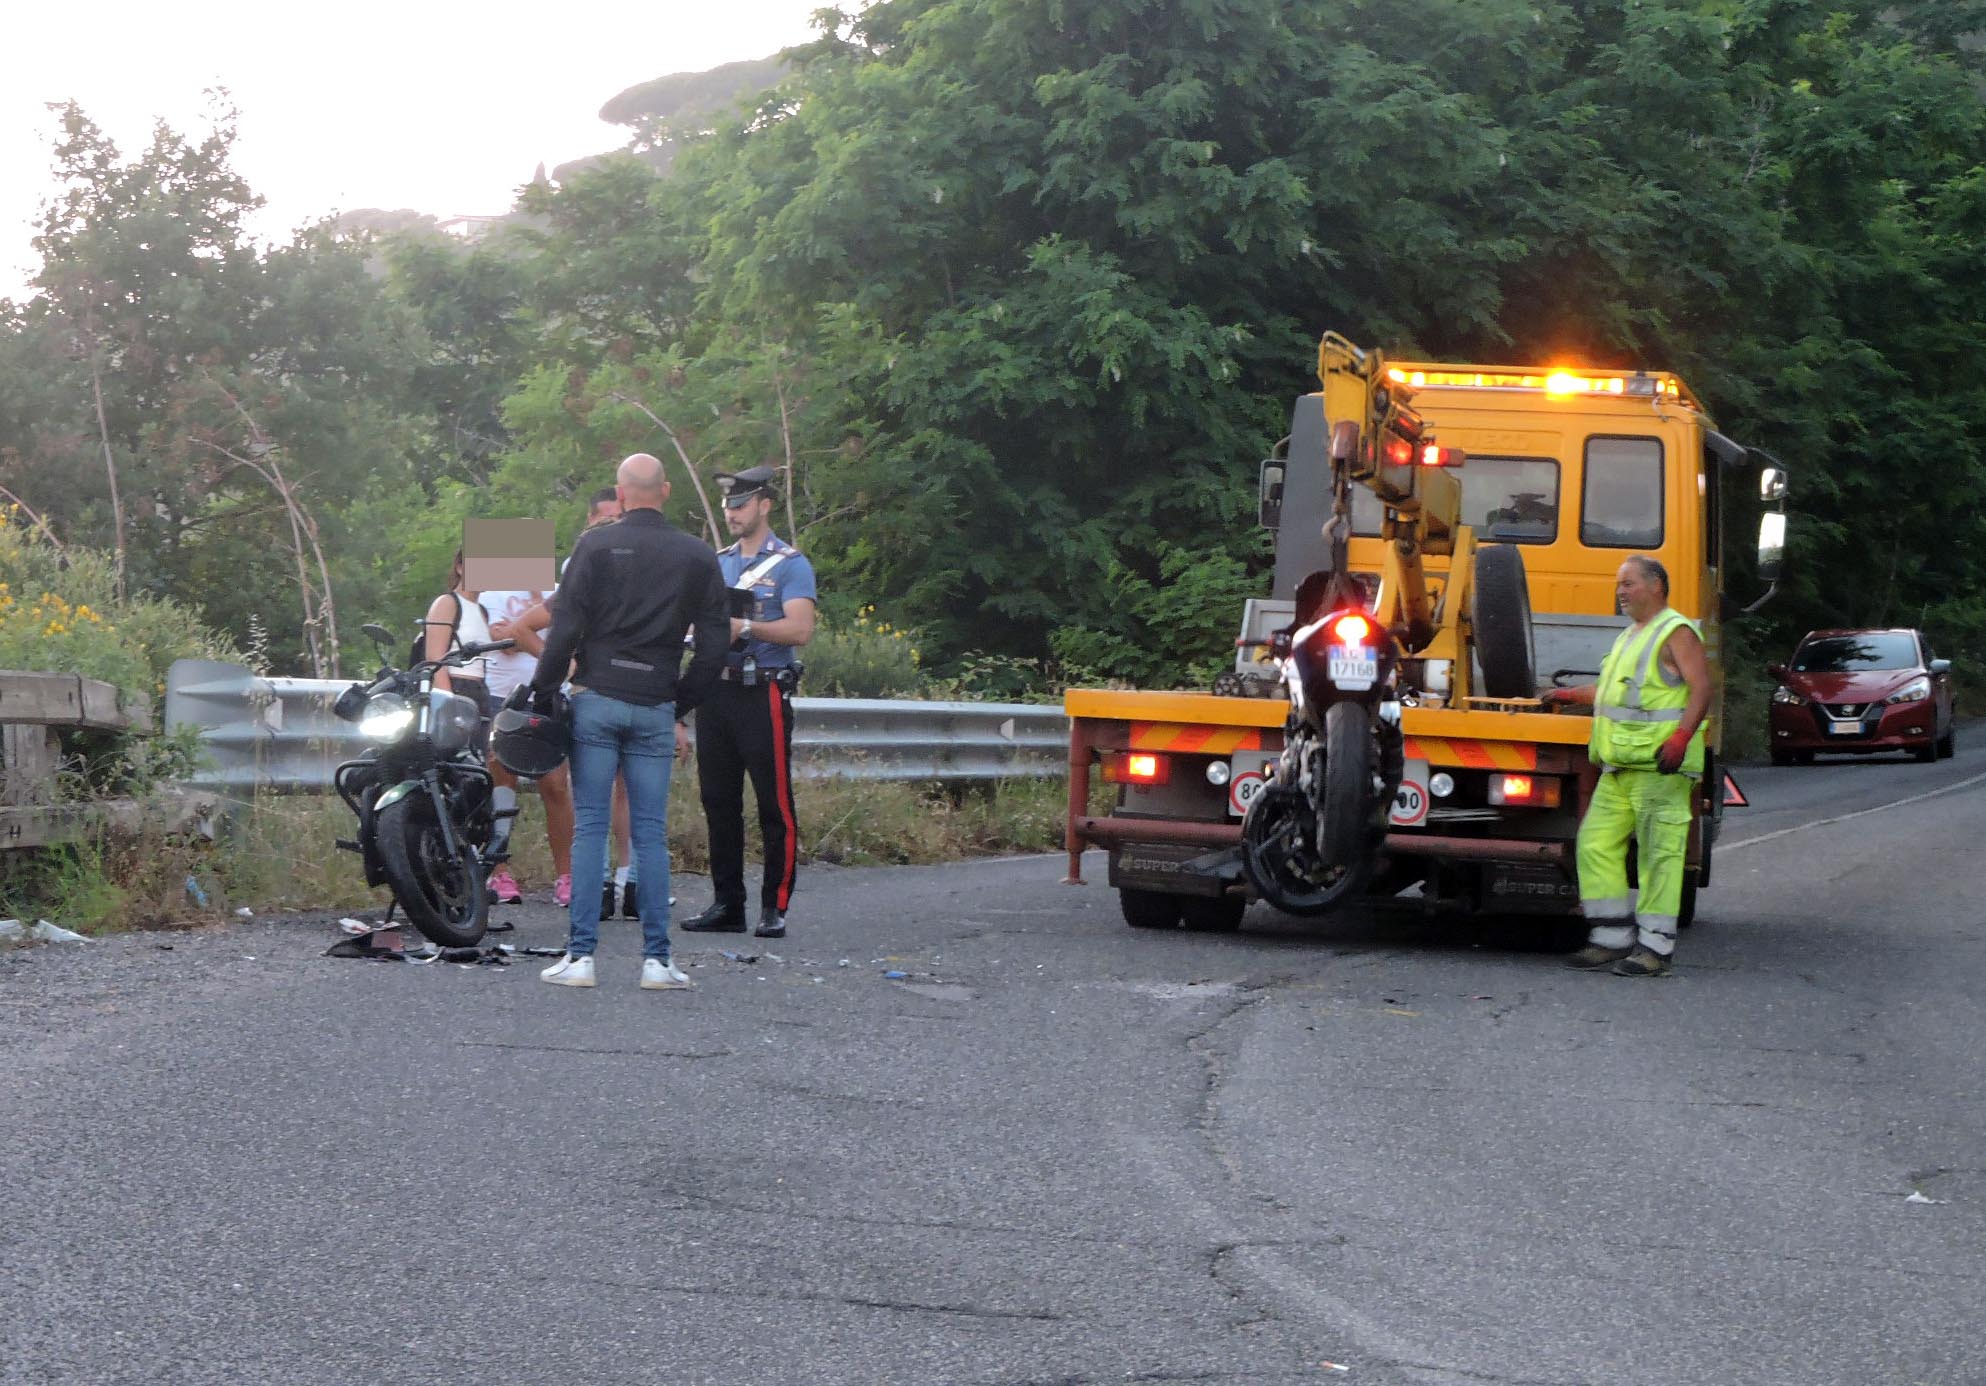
(1526, 791)
(1555, 382)
(1139, 767)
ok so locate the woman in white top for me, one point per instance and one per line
(455, 619)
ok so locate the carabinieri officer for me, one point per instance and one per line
(746, 725)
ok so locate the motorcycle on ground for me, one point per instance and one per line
(1310, 835)
(428, 828)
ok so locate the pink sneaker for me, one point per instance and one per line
(503, 889)
(562, 892)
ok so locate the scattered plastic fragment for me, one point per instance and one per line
(354, 927)
(843, 963)
(1917, 1197)
(1334, 1366)
(244, 913)
(165, 947)
(41, 931)
(747, 958)
(1482, 998)
(193, 890)
(1395, 1010)
(896, 976)
(774, 957)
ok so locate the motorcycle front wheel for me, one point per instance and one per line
(443, 894)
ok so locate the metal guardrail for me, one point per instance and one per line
(279, 734)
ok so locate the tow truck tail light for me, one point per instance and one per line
(1434, 455)
(1524, 791)
(1137, 767)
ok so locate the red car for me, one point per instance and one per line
(1861, 691)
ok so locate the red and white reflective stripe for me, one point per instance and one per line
(784, 793)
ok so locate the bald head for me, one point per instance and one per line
(641, 483)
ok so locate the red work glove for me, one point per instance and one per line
(1560, 697)
(1670, 758)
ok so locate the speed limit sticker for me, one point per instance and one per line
(1241, 792)
(1411, 802)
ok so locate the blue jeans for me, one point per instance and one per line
(609, 735)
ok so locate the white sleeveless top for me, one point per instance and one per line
(474, 629)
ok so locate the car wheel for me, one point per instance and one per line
(1948, 743)
(1782, 757)
(1803, 757)
(1924, 754)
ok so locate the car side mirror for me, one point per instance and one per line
(1271, 498)
(1777, 671)
(1941, 666)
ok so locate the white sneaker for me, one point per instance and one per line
(569, 972)
(657, 975)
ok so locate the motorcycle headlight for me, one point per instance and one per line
(1916, 691)
(1783, 694)
(387, 718)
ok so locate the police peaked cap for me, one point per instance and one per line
(739, 487)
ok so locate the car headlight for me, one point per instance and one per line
(1916, 691)
(1783, 694)
(387, 718)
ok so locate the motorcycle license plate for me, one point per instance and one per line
(1353, 666)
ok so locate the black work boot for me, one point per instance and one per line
(718, 919)
(772, 924)
(1643, 962)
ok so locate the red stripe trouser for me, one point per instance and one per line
(748, 731)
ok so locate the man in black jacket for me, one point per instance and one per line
(631, 591)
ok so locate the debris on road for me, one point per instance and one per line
(41, 932)
(1917, 1196)
(895, 976)
(244, 913)
(194, 892)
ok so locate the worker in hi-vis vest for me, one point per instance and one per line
(1648, 713)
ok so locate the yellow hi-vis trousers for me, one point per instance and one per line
(1651, 810)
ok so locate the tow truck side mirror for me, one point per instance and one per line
(1772, 484)
(1771, 543)
(1271, 501)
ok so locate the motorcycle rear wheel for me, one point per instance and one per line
(444, 897)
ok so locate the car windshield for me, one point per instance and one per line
(1850, 654)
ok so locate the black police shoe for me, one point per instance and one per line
(607, 899)
(631, 900)
(718, 919)
(772, 924)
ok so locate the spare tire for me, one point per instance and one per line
(1500, 615)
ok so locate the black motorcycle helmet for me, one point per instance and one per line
(532, 732)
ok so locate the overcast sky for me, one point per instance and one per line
(444, 108)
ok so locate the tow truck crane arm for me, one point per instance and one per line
(1377, 441)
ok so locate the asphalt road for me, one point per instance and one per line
(1058, 1152)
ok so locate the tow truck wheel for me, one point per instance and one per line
(1149, 909)
(1209, 914)
(1686, 911)
(1500, 611)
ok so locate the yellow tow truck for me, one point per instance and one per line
(1482, 512)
